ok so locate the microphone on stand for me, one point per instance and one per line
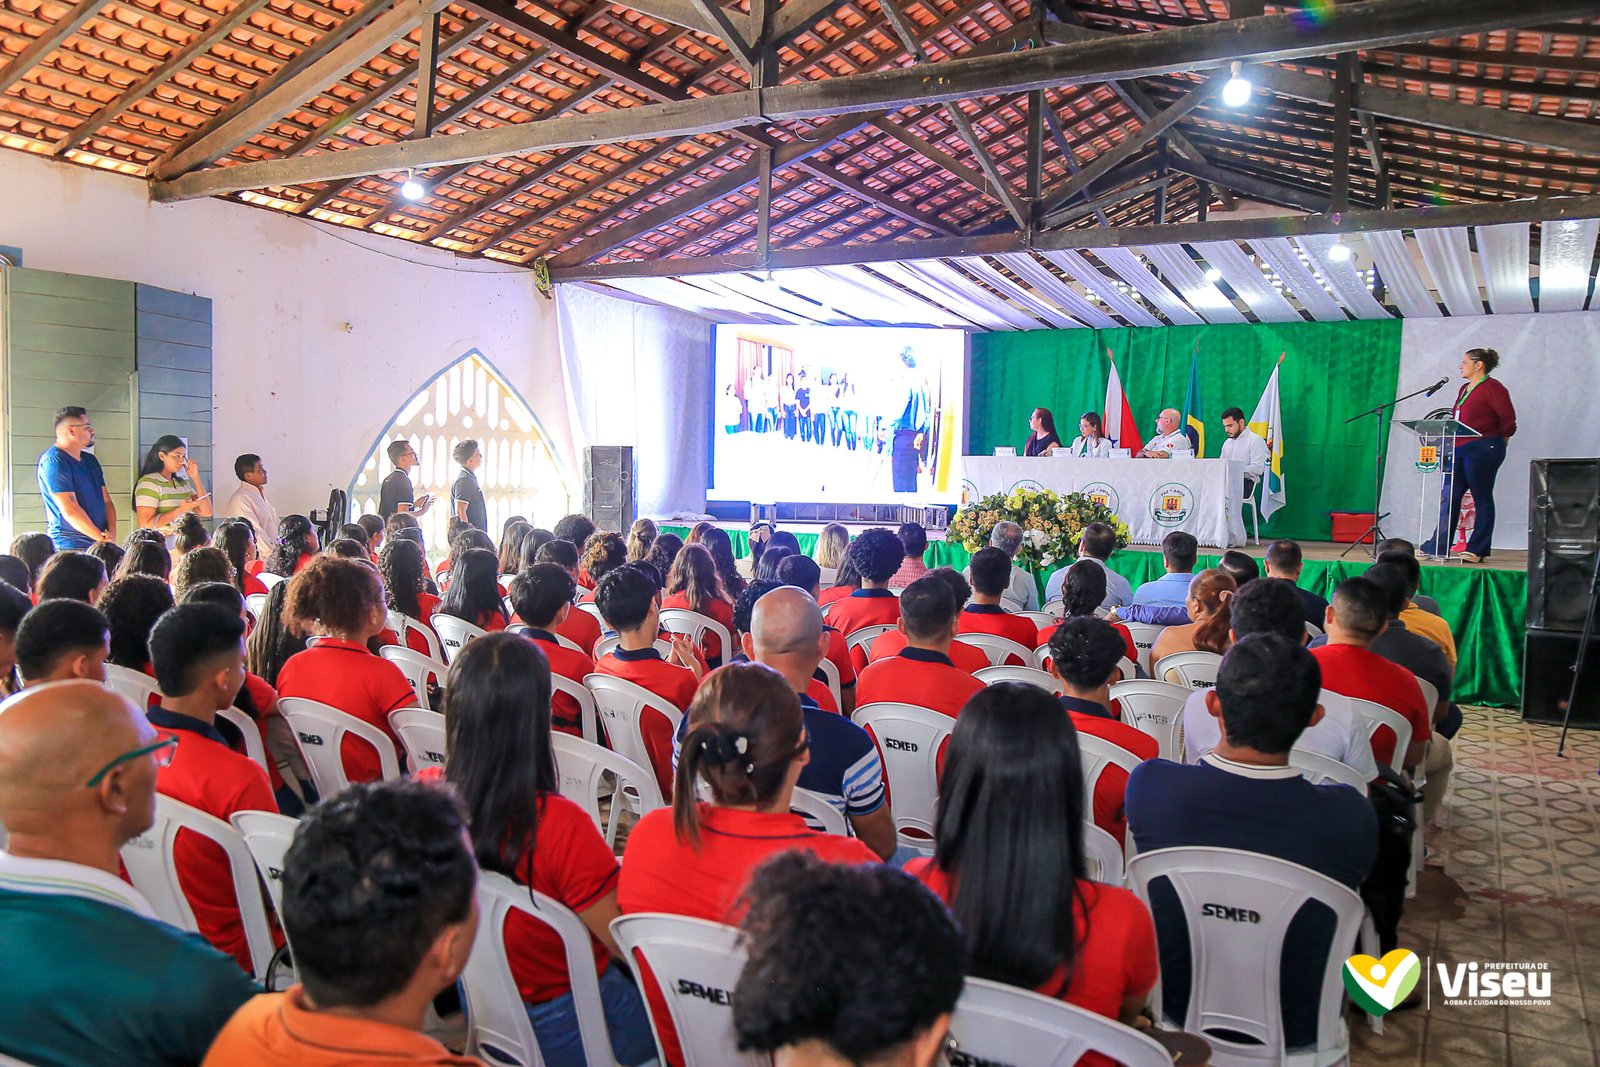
(1436, 386)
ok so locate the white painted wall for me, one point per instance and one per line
(319, 335)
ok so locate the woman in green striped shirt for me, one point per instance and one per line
(169, 486)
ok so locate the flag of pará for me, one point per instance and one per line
(1193, 414)
(1267, 423)
(1119, 425)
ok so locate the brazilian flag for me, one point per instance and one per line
(1194, 419)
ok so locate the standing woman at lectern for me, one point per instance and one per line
(1485, 405)
(1043, 438)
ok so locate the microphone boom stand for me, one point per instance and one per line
(1375, 531)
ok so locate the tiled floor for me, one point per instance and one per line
(1514, 874)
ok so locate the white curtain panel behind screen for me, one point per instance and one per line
(1550, 364)
(640, 375)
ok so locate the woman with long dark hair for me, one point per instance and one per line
(693, 585)
(237, 540)
(405, 581)
(511, 543)
(1091, 441)
(145, 556)
(168, 486)
(537, 538)
(720, 545)
(1009, 859)
(33, 549)
(132, 605)
(498, 756)
(1210, 614)
(664, 552)
(273, 641)
(474, 591)
(1083, 592)
(846, 580)
(466, 539)
(297, 546)
(1042, 436)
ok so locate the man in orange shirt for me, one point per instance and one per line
(984, 614)
(372, 952)
(922, 673)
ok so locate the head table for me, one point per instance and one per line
(1153, 496)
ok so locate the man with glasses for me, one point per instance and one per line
(77, 505)
(396, 493)
(92, 976)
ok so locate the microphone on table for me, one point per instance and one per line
(1436, 386)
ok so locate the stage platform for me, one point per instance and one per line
(1485, 603)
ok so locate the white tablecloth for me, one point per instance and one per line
(1153, 496)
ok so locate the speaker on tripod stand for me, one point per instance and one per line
(1563, 557)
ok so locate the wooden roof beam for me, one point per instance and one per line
(1206, 47)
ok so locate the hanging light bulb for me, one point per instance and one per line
(413, 189)
(1236, 93)
(1339, 252)
(1213, 275)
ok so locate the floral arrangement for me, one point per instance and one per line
(1052, 523)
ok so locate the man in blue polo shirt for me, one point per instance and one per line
(1162, 602)
(77, 506)
(786, 634)
(91, 977)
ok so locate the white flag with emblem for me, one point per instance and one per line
(1267, 423)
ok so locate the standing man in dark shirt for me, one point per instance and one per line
(1286, 560)
(466, 494)
(909, 430)
(78, 508)
(396, 493)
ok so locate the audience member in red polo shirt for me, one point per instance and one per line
(198, 652)
(502, 766)
(371, 952)
(575, 530)
(542, 596)
(983, 614)
(915, 541)
(969, 658)
(922, 674)
(802, 572)
(747, 743)
(824, 941)
(1357, 614)
(1083, 591)
(693, 585)
(604, 553)
(875, 556)
(1013, 756)
(1084, 654)
(405, 577)
(628, 600)
(296, 546)
(237, 539)
(61, 640)
(339, 602)
(579, 626)
(474, 593)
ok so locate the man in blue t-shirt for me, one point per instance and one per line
(77, 506)
(1244, 795)
(1161, 601)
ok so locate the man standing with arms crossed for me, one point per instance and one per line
(77, 505)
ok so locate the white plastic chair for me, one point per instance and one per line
(269, 579)
(454, 633)
(320, 729)
(407, 625)
(135, 685)
(1030, 675)
(582, 766)
(268, 836)
(1313, 631)
(505, 580)
(593, 609)
(908, 739)
(417, 668)
(1249, 501)
(610, 642)
(1144, 639)
(1097, 754)
(1237, 907)
(587, 722)
(421, 734)
(1041, 619)
(998, 649)
(1430, 694)
(1319, 769)
(253, 746)
(154, 873)
(1373, 716)
(1103, 854)
(620, 705)
(863, 636)
(997, 1023)
(1040, 657)
(498, 1028)
(1195, 669)
(1156, 708)
(254, 603)
(1128, 669)
(695, 626)
(566, 642)
(830, 671)
(689, 959)
(1055, 610)
(818, 812)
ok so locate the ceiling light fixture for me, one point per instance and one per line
(413, 189)
(1213, 275)
(1339, 252)
(1236, 93)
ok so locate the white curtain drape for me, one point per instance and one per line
(640, 374)
(1550, 364)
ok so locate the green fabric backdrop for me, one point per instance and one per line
(1332, 371)
(1486, 608)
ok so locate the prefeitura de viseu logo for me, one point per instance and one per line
(1378, 985)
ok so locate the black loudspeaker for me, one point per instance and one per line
(1563, 536)
(609, 498)
(1547, 661)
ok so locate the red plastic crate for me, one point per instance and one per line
(1350, 525)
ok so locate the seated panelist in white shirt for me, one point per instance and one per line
(1091, 442)
(1169, 440)
(1246, 446)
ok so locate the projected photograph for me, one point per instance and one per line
(858, 414)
